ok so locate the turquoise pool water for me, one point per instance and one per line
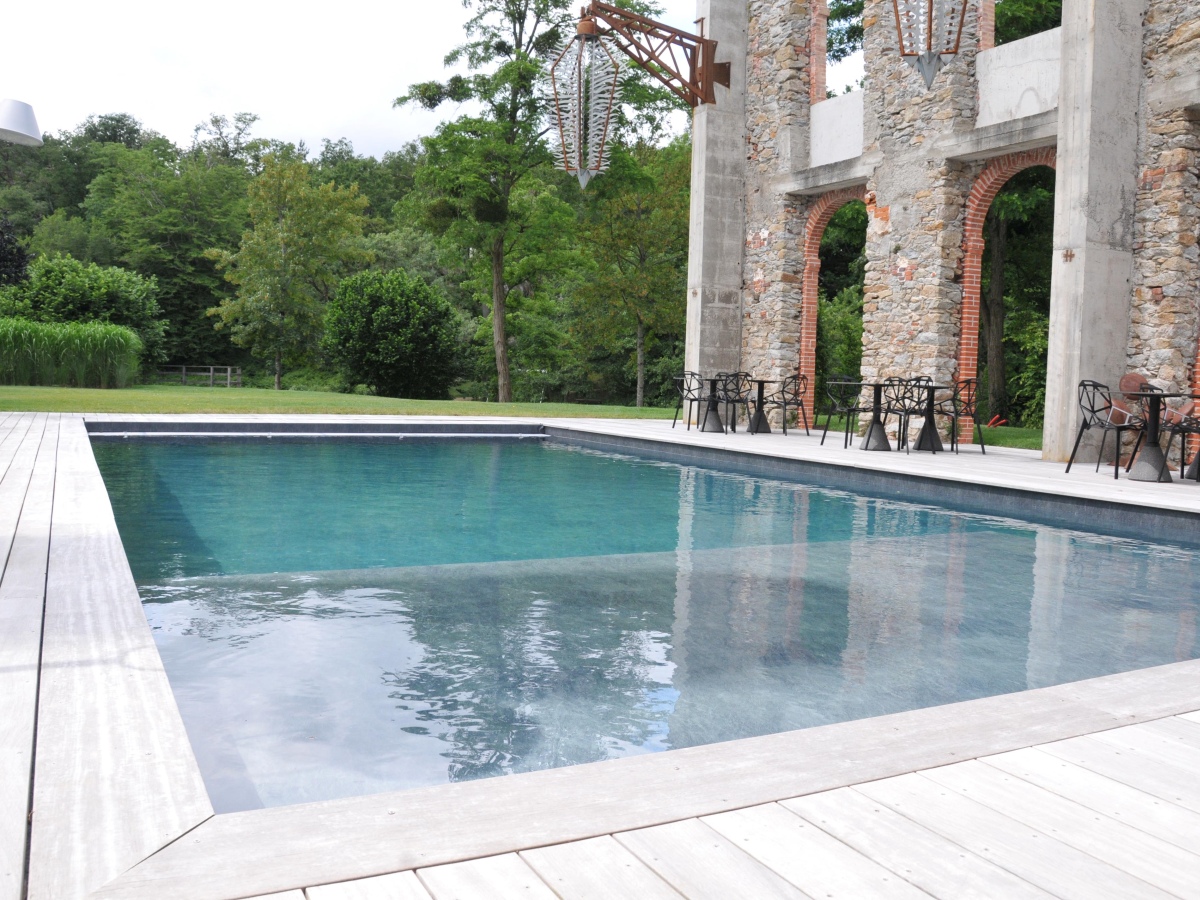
(340, 618)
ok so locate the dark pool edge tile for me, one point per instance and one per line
(1085, 514)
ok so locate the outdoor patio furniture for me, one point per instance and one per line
(902, 397)
(789, 396)
(712, 405)
(732, 389)
(843, 395)
(758, 423)
(1182, 422)
(690, 387)
(1098, 409)
(962, 405)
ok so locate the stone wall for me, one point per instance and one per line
(1164, 316)
(777, 108)
(915, 201)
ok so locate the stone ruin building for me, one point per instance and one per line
(1111, 100)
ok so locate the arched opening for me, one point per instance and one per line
(846, 245)
(1008, 244)
(840, 294)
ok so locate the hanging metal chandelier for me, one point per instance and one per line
(930, 33)
(584, 74)
(583, 78)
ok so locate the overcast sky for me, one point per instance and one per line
(308, 71)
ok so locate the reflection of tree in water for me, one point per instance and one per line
(537, 671)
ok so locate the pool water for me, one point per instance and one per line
(339, 618)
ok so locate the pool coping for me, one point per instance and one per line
(112, 773)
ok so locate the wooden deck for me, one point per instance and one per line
(1087, 789)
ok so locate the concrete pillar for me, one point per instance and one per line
(718, 201)
(1095, 193)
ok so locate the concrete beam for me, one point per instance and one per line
(1029, 133)
(1095, 193)
(829, 177)
(718, 203)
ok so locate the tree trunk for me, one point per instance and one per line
(992, 317)
(278, 370)
(499, 335)
(641, 362)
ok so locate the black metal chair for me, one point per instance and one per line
(690, 387)
(962, 405)
(843, 393)
(1180, 423)
(904, 398)
(790, 396)
(1098, 409)
(734, 389)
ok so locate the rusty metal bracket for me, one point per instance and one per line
(684, 62)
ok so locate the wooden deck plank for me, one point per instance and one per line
(13, 439)
(1168, 821)
(339, 840)
(928, 860)
(1155, 861)
(397, 886)
(115, 776)
(1157, 742)
(285, 895)
(1172, 783)
(597, 869)
(811, 859)
(702, 865)
(26, 494)
(1032, 855)
(506, 877)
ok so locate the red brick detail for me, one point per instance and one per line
(817, 52)
(994, 176)
(987, 24)
(1194, 439)
(814, 229)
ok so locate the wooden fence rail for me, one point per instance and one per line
(206, 376)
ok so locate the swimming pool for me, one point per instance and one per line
(340, 618)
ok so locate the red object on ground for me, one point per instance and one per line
(996, 422)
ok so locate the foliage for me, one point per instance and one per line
(839, 338)
(844, 249)
(394, 333)
(14, 261)
(303, 238)
(61, 289)
(844, 34)
(80, 354)
(1016, 19)
(636, 229)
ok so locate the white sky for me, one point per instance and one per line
(310, 71)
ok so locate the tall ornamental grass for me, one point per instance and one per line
(76, 354)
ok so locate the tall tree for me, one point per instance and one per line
(303, 238)
(636, 230)
(474, 164)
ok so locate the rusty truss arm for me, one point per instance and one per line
(685, 63)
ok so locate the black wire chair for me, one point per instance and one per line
(733, 390)
(1098, 409)
(962, 405)
(690, 387)
(904, 398)
(1180, 423)
(790, 396)
(843, 393)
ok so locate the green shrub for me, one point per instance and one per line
(62, 289)
(394, 333)
(77, 354)
(839, 339)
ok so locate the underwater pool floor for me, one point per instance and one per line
(1109, 787)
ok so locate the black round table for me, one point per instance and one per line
(1150, 464)
(759, 423)
(711, 421)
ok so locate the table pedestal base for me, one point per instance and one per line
(1193, 469)
(929, 439)
(759, 423)
(712, 417)
(876, 438)
(1148, 464)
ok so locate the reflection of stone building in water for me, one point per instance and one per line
(1111, 100)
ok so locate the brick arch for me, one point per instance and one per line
(814, 229)
(994, 176)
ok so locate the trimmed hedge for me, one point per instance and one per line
(75, 354)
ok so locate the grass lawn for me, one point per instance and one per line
(1004, 436)
(180, 399)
